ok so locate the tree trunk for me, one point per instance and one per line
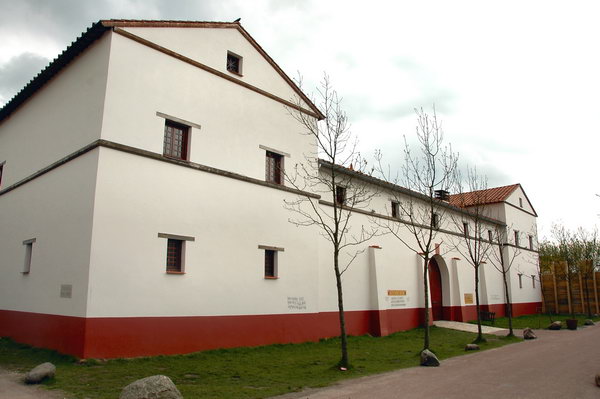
(343, 337)
(511, 333)
(477, 306)
(426, 291)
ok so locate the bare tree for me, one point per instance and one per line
(335, 171)
(427, 176)
(475, 243)
(502, 259)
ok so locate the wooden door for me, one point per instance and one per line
(435, 287)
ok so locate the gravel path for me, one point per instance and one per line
(559, 364)
(12, 387)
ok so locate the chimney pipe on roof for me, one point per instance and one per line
(442, 195)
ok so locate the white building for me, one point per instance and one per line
(141, 212)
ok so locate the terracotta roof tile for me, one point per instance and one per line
(481, 197)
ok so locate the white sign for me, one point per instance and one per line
(398, 301)
(296, 303)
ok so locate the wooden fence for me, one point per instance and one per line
(581, 296)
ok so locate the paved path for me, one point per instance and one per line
(456, 325)
(12, 387)
(559, 364)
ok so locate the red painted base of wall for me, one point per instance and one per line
(146, 336)
(63, 333)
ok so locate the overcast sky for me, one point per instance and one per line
(516, 83)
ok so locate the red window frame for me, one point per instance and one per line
(174, 258)
(274, 167)
(176, 140)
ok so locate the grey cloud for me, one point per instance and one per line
(64, 20)
(17, 72)
(359, 107)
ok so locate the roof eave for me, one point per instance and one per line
(97, 30)
(93, 33)
(403, 190)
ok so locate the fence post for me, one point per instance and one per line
(595, 292)
(581, 293)
(568, 287)
(555, 289)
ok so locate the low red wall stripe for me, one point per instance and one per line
(146, 336)
(62, 333)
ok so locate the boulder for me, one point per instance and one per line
(588, 322)
(528, 334)
(40, 372)
(428, 359)
(598, 379)
(155, 387)
(556, 325)
(472, 347)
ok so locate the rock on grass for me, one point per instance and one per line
(428, 359)
(155, 387)
(40, 372)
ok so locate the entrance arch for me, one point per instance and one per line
(435, 290)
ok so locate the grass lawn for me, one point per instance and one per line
(243, 372)
(536, 321)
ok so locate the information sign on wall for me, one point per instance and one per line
(468, 299)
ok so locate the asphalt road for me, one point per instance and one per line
(559, 364)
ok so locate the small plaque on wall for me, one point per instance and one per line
(468, 299)
(66, 290)
(396, 292)
(296, 303)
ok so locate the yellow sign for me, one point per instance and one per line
(468, 299)
(396, 292)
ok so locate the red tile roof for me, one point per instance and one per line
(481, 197)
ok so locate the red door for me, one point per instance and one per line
(435, 287)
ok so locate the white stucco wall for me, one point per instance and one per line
(60, 118)
(209, 46)
(56, 210)
(137, 198)
(234, 120)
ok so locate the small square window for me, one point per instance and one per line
(516, 238)
(395, 210)
(531, 242)
(436, 221)
(176, 140)
(274, 168)
(175, 255)
(520, 280)
(521, 202)
(466, 229)
(490, 236)
(533, 280)
(234, 63)
(270, 263)
(28, 251)
(340, 195)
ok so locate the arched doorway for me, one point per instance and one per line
(435, 288)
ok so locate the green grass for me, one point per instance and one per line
(536, 321)
(243, 372)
